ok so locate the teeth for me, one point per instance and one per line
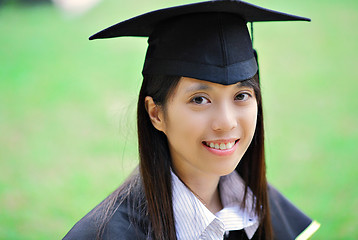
(221, 146)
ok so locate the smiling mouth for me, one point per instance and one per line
(220, 145)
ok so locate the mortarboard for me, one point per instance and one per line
(207, 40)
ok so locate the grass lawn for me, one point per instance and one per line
(67, 112)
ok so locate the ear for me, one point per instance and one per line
(155, 113)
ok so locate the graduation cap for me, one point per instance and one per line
(207, 40)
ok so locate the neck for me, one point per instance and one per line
(205, 188)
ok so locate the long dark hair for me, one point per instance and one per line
(155, 164)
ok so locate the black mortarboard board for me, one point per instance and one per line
(207, 40)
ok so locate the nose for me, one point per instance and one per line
(224, 118)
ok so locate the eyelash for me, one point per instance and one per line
(196, 97)
(244, 93)
(193, 100)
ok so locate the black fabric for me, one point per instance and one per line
(207, 41)
(287, 220)
(126, 224)
(237, 235)
(143, 25)
(216, 48)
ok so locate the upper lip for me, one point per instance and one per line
(226, 140)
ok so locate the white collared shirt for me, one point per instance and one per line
(194, 221)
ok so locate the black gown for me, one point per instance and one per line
(287, 221)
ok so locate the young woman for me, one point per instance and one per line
(200, 130)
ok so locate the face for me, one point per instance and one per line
(209, 126)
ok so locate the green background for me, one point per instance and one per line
(67, 111)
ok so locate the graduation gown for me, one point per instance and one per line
(288, 222)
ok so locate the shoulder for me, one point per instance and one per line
(288, 221)
(127, 221)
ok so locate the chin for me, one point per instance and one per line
(223, 171)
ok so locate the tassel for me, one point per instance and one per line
(252, 33)
(255, 52)
(257, 61)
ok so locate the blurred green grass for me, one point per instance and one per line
(67, 112)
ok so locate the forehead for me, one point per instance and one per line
(191, 84)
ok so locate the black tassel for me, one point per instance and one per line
(255, 52)
(257, 61)
(252, 33)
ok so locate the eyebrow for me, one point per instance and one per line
(202, 86)
(198, 87)
(244, 84)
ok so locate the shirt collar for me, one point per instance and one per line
(194, 221)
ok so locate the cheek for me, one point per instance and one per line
(184, 125)
(250, 120)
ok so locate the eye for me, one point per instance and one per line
(243, 96)
(200, 100)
